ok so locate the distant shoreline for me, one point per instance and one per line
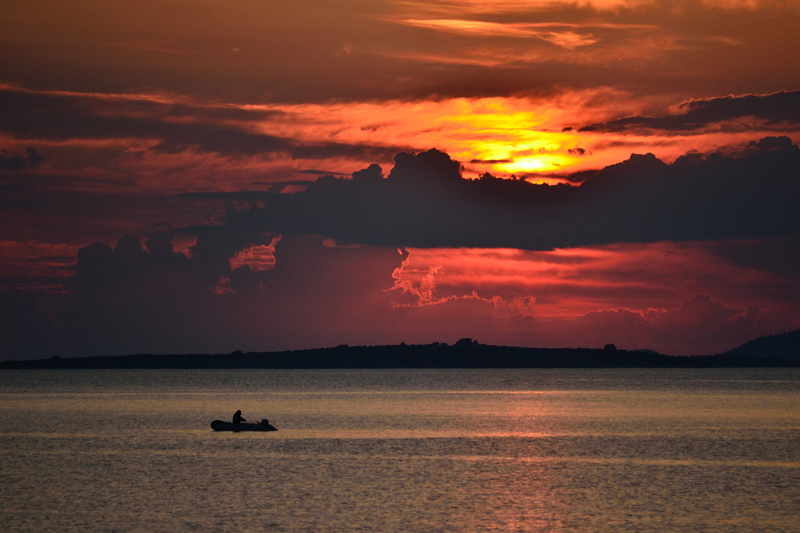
(460, 355)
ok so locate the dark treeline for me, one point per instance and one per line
(464, 354)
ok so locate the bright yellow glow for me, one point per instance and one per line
(502, 136)
(524, 165)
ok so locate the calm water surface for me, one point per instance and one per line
(401, 450)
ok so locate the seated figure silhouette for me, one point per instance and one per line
(237, 417)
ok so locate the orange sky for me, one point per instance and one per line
(493, 80)
(108, 111)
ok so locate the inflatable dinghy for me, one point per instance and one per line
(264, 425)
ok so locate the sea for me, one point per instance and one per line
(592, 450)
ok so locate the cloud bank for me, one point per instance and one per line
(735, 113)
(713, 266)
(425, 203)
(139, 297)
(171, 125)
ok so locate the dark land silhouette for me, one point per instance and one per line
(784, 346)
(773, 351)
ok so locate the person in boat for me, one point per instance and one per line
(237, 417)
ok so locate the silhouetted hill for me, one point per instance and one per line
(466, 353)
(784, 346)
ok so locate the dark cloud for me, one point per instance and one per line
(778, 255)
(281, 186)
(77, 218)
(26, 330)
(779, 110)
(57, 116)
(320, 172)
(16, 187)
(139, 296)
(134, 298)
(31, 159)
(424, 202)
(578, 151)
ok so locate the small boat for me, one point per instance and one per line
(264, 425)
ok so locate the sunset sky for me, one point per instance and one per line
(203, 177)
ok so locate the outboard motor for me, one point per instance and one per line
(269, 427)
